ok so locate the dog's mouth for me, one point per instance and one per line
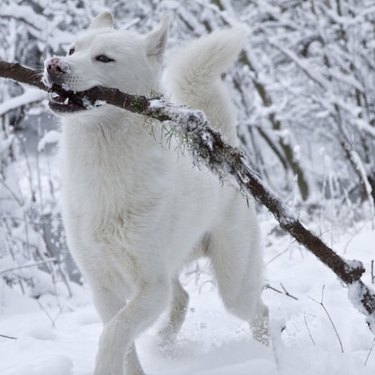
(61, 100)
(65, 101)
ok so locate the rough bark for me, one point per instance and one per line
(208, 147)
(22, 74)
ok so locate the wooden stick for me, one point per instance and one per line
(208, 147)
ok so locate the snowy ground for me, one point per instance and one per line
(57, 336)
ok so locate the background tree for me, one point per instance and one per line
(304, 87)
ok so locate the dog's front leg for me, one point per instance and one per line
(108, 304)
(119, 333)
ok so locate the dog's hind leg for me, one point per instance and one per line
(177, 313)
(236, 256)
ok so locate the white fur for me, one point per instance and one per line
(134, 209)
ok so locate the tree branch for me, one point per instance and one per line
(20, 73)
(207, 147)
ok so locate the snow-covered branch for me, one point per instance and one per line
(28, 97)
(208, 148)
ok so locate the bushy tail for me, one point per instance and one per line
(194, 76)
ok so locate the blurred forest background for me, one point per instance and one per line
(304, 87)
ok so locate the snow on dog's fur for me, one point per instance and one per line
(136, 210)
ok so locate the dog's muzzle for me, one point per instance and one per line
(60, 100)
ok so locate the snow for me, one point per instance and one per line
(311, 98)
(363, 125)
(357, 294)
(51, 136)
(28, 97)
(57, 335)
(23, 12)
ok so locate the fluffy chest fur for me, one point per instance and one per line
(124, 192)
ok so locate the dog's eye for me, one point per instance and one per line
(103, 59)
(71, 51)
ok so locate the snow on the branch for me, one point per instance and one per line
(29, 96)
(354, 264)
(358, 296)
(208, 146)
(157, 103)
(25, 13)
(361, 170)
(88, 104)
(365, 126)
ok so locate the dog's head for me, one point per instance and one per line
(107, 57)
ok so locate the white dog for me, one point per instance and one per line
(136, 210)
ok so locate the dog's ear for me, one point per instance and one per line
(157, 39)
(103, 19)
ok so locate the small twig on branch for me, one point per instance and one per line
(28, 265)
(49, 316)
(370, 351)
(284, 291)
(207, 146)
(287, 293)
(308, 329)
(321, 303)
(8, 337)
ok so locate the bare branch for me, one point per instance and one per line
(36, 264)
(287, 293)
(8, 337)
(229, 163)
(284, 291)
(370, 351)
(308, 329)
(321, 303)
(20, 73)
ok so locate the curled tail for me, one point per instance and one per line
(194, 76)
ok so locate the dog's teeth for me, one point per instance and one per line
(54, 95)
(66, 101)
